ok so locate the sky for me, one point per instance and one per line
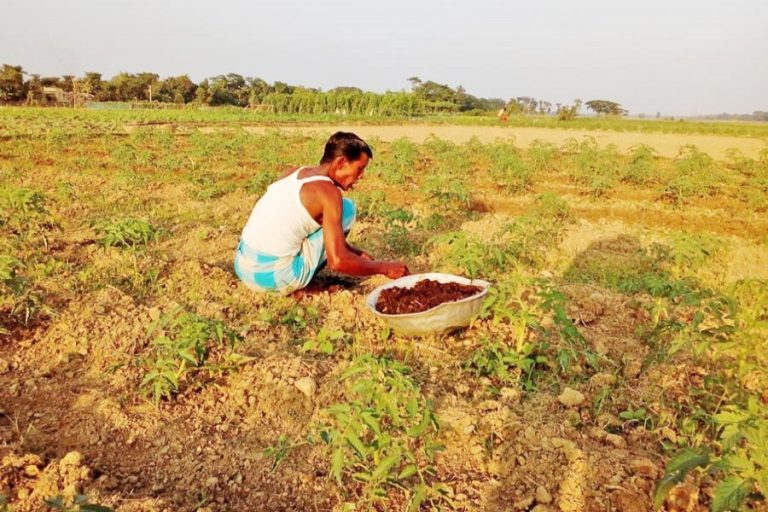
(677, 57)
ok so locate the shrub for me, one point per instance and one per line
(180, 348)
(542, 155)
(504, 364)
(23, 214)
(508, 168)
(382, 436)
(125, 232)
(692, 176)
(19, 300)
(741, 462)
(641, 168)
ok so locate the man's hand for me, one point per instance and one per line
(395, 269)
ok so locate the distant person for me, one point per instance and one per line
(301, 222)
(503, 115)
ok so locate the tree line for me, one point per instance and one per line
(425, 97)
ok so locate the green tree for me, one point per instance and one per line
(92, 83)
(605, 107)
(258, 90)
(12, 87)
(176, 89)
(131, 87)
(67, 82)
(203, 93)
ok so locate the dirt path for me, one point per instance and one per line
(667, 145)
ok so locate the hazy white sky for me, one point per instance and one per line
(672, 56)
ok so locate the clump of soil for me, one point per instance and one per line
(424, 295)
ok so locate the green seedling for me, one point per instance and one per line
(325, 341)
(506, 365)
(383, 435)
(280, 451)
(741, 467)
(180, 348)
(125, 232)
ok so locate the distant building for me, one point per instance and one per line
(57, 97)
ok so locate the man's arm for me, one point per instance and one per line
(359, 252)
(341, 256)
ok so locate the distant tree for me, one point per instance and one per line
(414, 81)
(203, 93)
(435, 92)
(605, 107)
(346, 89)
(50, 81)
(131, 87)
(176, 89)
(258, 90)
(67, 82)
(567, 112)
(523, 105)
(93, 82)
(12, 88)
(282, 88)
(33, 84)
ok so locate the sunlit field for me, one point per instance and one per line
(618, 363)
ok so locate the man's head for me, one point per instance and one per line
(347, 155)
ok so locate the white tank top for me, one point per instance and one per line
(279, 223)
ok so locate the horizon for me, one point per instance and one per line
(683, 59)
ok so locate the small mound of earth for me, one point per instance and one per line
(424, 295)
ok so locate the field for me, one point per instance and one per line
(619, 363)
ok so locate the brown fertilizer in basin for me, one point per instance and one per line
(424, 295)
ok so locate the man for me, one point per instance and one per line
(302, 220)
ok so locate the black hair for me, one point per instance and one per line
(345, 144)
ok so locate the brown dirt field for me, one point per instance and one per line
(72, 418)
(667, 145)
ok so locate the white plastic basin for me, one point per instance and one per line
(442, 318)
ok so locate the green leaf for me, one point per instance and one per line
(337, 464)
(386, 465)
(352, 370)
(357, 444)
(407, 471)
(728, 418)
(55, 502)
(738, 463)
(675, 472)
(419, 494)
(363, 477)
(730, 493)
(762, 481)
(149, 377)
(686, 460)
(371, 421)
(423, 425)
(187, 356)
(326, 347)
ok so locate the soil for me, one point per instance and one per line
(74, 420)
(424, 295)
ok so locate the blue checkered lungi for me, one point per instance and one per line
(267, 273)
